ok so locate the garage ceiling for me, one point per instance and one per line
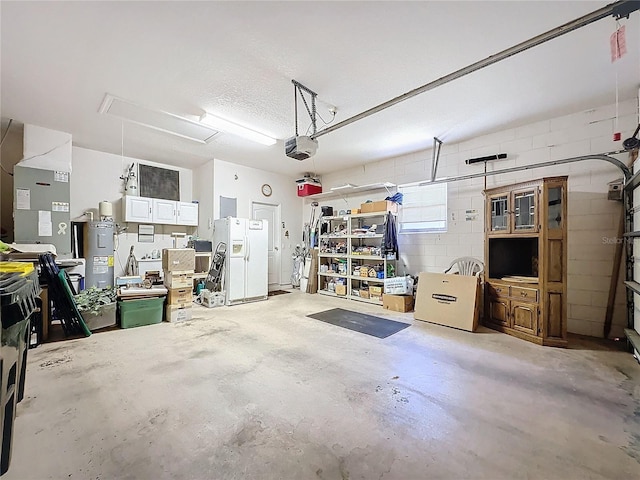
(237, 59)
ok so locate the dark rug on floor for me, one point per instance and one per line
(277, 292)
(360, 322)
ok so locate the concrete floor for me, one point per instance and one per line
(260, 391)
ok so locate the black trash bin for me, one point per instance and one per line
(18, 293)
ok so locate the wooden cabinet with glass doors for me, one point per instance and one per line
(526, 260)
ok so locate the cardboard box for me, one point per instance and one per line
(179, 295)
(375, 291)
(178, 259)
(397, 303)
(381, 206)
(364, 293)
(450, 300)
(178, 313)
(398, 286)
(341, 289)
(212, 299)
(178, 279)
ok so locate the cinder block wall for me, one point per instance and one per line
(592, 223)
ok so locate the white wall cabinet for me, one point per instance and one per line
(164, 212)
(188, 214)
(137, 209)
(158, 211)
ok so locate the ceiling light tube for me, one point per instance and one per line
(235, 129)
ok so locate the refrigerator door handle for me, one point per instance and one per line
(247, 251)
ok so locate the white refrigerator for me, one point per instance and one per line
(246, 266)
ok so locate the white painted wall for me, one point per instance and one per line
(203, 193)
(244, 183)
(47, 149)
(95, 178)
(592, 218)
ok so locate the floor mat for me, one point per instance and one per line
(360, 322)
(277, 292)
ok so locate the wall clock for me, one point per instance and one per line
(266, 190)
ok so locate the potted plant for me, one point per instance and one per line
(98, 307)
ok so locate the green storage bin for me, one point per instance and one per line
(144, 311)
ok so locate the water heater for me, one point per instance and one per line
(98, 252)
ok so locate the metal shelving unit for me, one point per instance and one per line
(633, 282)
(346, 241)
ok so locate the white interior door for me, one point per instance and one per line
(271, 213)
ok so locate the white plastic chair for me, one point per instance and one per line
(466, 266)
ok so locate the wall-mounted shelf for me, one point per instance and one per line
(343, 191)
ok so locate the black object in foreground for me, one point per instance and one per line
(360, 322)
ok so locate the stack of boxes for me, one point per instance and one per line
(398, 294)
(179, 265)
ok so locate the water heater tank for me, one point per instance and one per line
(98, 252)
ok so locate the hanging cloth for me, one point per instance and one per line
(390, 238)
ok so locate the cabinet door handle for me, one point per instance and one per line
(524, 294)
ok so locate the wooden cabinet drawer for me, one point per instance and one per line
(498, 290)
(524, 294)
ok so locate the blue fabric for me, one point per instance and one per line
(396, 198)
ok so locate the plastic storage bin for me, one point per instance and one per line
(106, 317)
(144, 311)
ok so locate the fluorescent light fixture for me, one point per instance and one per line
(157, 119)
(342, 187)
(228, 126)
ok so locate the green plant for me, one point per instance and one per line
(90, 300)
